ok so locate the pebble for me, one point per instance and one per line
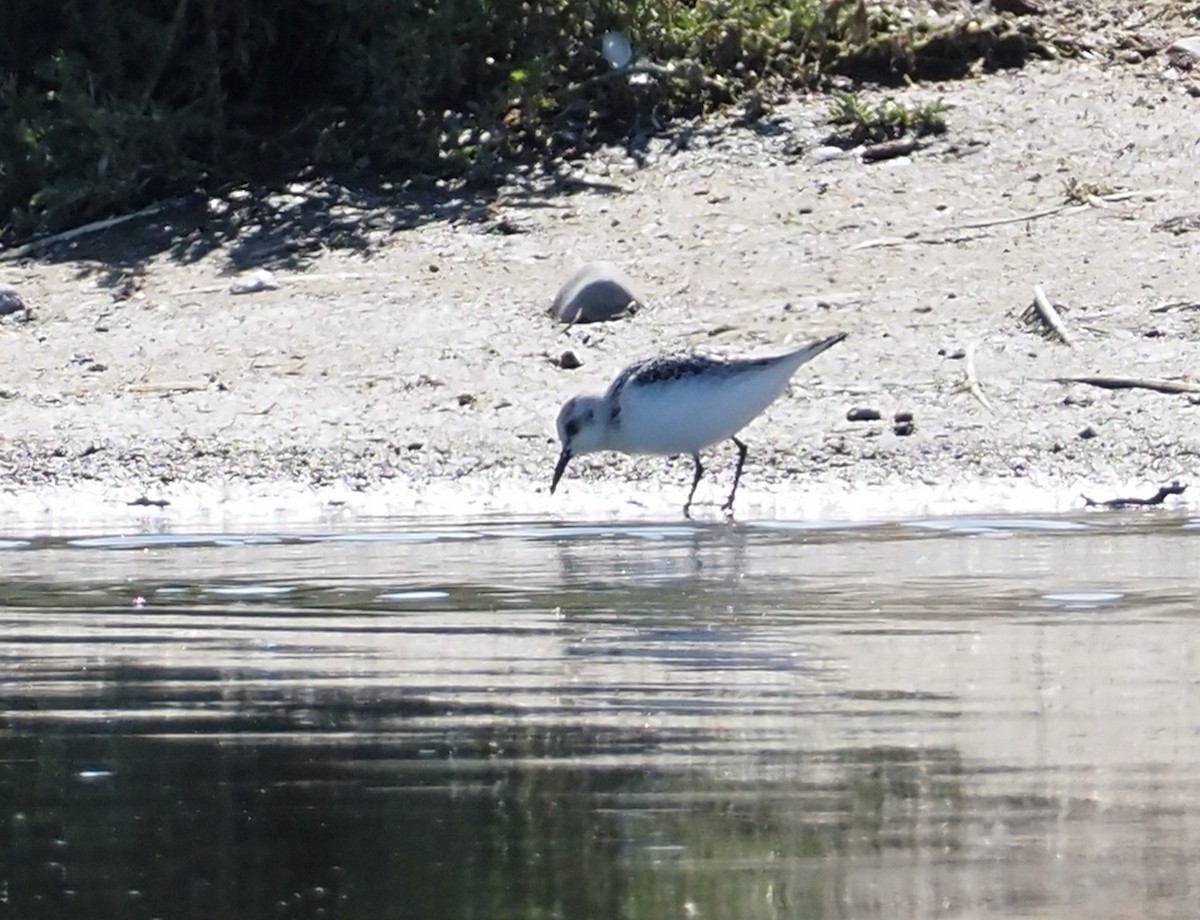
(863, 414)
(10, 300)
(828, 153)
(252, 282)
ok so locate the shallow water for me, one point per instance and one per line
(943, 718)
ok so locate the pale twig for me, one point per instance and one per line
(947, 234)
(881, 241)
(300, 278)
(972, 380)
(175, 386)
(1019, 218)
(1133, 383)
(1049, 315)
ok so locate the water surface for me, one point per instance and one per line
(944, 718)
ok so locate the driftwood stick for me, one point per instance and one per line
(1049, 315)
(1133, 383)
(1174, 488)
(888, 150)
(972, 380)
(94, 227)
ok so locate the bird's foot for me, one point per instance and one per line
(727, 508)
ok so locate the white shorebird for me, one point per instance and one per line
(679, 405)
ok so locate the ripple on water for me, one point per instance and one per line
(169, 541)
(989, 525)
(409, 596)
(1080, 600)
(249, 590)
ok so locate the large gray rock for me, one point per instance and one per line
(596, 293)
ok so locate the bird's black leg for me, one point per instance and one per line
(737, 475)
(699, 471)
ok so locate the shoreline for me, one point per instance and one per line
(281, 508)
(421, 378)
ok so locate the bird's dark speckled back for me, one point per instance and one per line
(680, 367)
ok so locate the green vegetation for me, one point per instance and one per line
(888, 120)
(111, 105)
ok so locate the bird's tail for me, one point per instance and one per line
(806, 353)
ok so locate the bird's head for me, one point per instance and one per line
(581, 430)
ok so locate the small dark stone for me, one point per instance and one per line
(414, 445)
(568, 361)
(506, 227)
(143, 501)
(10, 300)
(1018, 7)
(466, 399)
(863, 414)
(1088, 433)
(904, 429)
(902, 417)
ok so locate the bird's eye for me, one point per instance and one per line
(572, 428)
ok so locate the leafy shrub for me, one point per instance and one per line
(114, 103)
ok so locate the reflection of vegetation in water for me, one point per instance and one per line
(245, 826)
(109, 106)
(324, 801)
(773, 848)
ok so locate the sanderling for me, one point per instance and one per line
(679, 405)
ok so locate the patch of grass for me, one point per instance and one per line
(111, 106)
(862, 123)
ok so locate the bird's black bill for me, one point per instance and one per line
(563, 459)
